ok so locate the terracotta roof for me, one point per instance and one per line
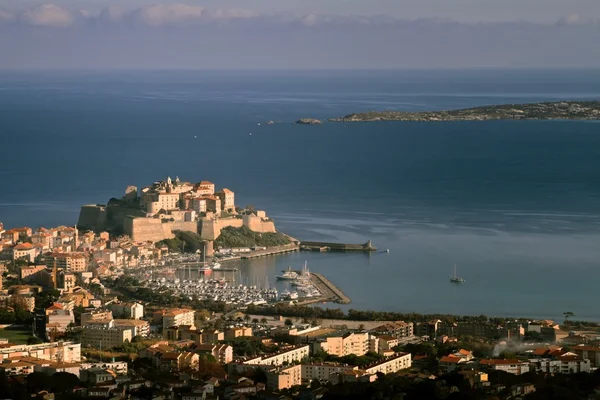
(450, 360)
(464, 352)
(24, 246)
(500, 362)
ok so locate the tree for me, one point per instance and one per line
(263, 320)
(34, 340)
(63, 382)
(567, 315)
(288, 322)
(255, 321)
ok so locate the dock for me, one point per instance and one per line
(271, 251)
(326, 246)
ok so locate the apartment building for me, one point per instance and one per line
(390, 365)
(178, 317)
(223, 353)
(349, 343)
(55, 351)
(512, 366)
(127, 310)
(137, 327)
(288, 356)
(105, 337)
(232, 333)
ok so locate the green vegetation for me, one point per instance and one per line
(15, 335)
(352, 359)
(247, 347)
(244, 237)
(186, 241)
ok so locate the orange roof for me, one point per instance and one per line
(450, 359)
(24, 246)
(206, 183)
(55, 306)
(464, 352)
(500, 362)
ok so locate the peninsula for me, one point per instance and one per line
(563, 110)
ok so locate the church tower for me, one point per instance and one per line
(54, 275)
(76, 239)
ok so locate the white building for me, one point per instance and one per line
(178, 317)
(391, 364)
(105, 337)
(516, 367)
(56, 351)
(297, 353)
(127, 310)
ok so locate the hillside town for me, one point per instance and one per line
(84, 314)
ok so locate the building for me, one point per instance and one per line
(212, 336)
(223, 353)
(91, 317)
(54, 367)
(512, 366)
(24, 251)
(137, 327)
(390, 365)
(178, 361)
(56, 351)
(227, 198)
(105, 336)
(30, 273)
(349, 343)
(232, 333)
(287, 356)
(323, 371)
(70, 262)
(127, 310)
(284, 377)
(566, 364)
(96, 375)
(591, 353)
(23, 301)
(398, 329)
(385, 343)
(178, 317)
(119, 367)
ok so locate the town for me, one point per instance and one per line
(96, 311)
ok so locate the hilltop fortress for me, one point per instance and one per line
(155, 212)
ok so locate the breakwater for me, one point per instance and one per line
(327, 246)
(328, 289)
(271, 251)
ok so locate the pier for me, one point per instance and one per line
(271, 251)
(325, 246)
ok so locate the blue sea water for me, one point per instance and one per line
(515, 204)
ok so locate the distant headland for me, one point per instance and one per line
(562, 110)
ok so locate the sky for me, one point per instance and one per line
(298, 33)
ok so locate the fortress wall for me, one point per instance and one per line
(184, 226)
(92, 217)
(142, 229)
(257, 224)
(211, 229)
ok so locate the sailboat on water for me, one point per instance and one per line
(455, 278)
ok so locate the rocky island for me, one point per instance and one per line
(563, 110)
(309, 121)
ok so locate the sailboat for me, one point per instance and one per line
(455, 278)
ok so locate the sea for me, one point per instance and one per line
(515, 205)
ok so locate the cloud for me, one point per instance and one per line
(6, 16)
(48, 15)
(574, 19)
(235, 13)
(161, 14)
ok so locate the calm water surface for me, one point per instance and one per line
(514, 204)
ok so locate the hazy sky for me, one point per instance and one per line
(299, 33)
(464, 10)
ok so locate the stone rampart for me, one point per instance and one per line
(257, 224)
(92, 217)
(143, 229)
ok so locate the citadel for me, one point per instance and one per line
(156, 211)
